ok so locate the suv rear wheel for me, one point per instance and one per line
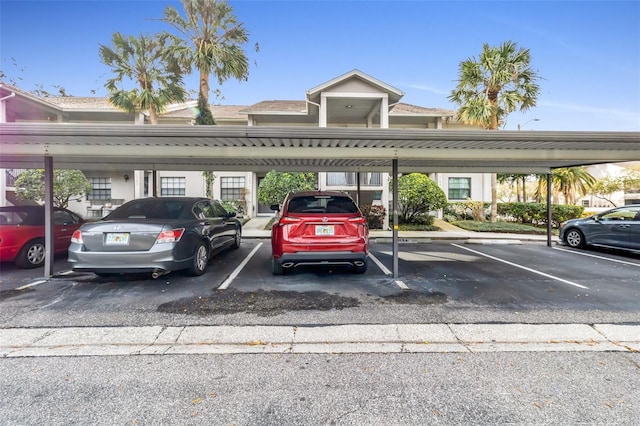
(276, 268)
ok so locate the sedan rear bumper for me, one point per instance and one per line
(125, 263)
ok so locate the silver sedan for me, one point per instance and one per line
(155, 235)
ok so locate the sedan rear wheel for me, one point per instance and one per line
(574, 238)
(32, 255)
(200, 260)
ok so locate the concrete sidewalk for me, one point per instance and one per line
(357, 338)
(255, 228)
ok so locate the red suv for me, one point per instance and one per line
(319, 228)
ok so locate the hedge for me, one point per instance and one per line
(526, 213)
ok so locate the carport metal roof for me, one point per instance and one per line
(118, 147)
(247, 148)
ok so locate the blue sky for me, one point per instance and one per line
(588, 52)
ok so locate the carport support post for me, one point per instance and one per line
(48, 217)
(549, 215)
(394, 173)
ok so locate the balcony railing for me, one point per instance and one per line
(349, 179)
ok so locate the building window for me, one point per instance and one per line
(100, 189)
(172, 186)
(232, 188)
(459, 188)
(349, 179)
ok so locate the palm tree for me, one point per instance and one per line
(520, 180)
(568, 181)
(217, 39)
(572, 182)
(147, 62)
(496, 84)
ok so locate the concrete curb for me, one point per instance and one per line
(354, 338)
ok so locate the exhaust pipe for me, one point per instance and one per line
(158, 273)
(358, 263)
(287, 265)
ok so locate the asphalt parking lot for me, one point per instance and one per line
(436, 278)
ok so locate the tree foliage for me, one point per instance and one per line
(606, 187)
(496, 84)
(417, 196)
(217, 39)
(276, 185)
(39, 89)
(148, 72)
(204, 117)
(67, 185)
(571, 182)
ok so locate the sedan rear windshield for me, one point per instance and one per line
(146, 209)
(322, 204)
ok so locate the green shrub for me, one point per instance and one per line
(464, 210)
(536, 213)
(525, 213)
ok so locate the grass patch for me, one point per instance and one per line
(416, 227)
(505, 227)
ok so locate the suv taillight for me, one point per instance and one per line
(285, 220)
(360, 219)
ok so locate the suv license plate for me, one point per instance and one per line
(117, 239)
(325, 230)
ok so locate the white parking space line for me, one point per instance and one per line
(33, 284)
(235, 273)
(69, 272)
(597, 257)
(380, 265)
(386, 271)
(402, 285)
(522, 267)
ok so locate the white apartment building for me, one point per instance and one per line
(354, 99)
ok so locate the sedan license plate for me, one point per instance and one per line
(325, 230)
(117, 239)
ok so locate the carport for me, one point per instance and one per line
(240, 148)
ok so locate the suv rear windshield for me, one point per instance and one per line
(322, 204)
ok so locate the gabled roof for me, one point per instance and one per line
(408, 109)
(394, 94)
(277, 107)
(231, 112)
(8, 90)
(81, 103)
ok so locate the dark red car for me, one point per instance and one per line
(22, 233)
(319, 228)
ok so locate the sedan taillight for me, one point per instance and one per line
(77, 237)
(170, 236)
